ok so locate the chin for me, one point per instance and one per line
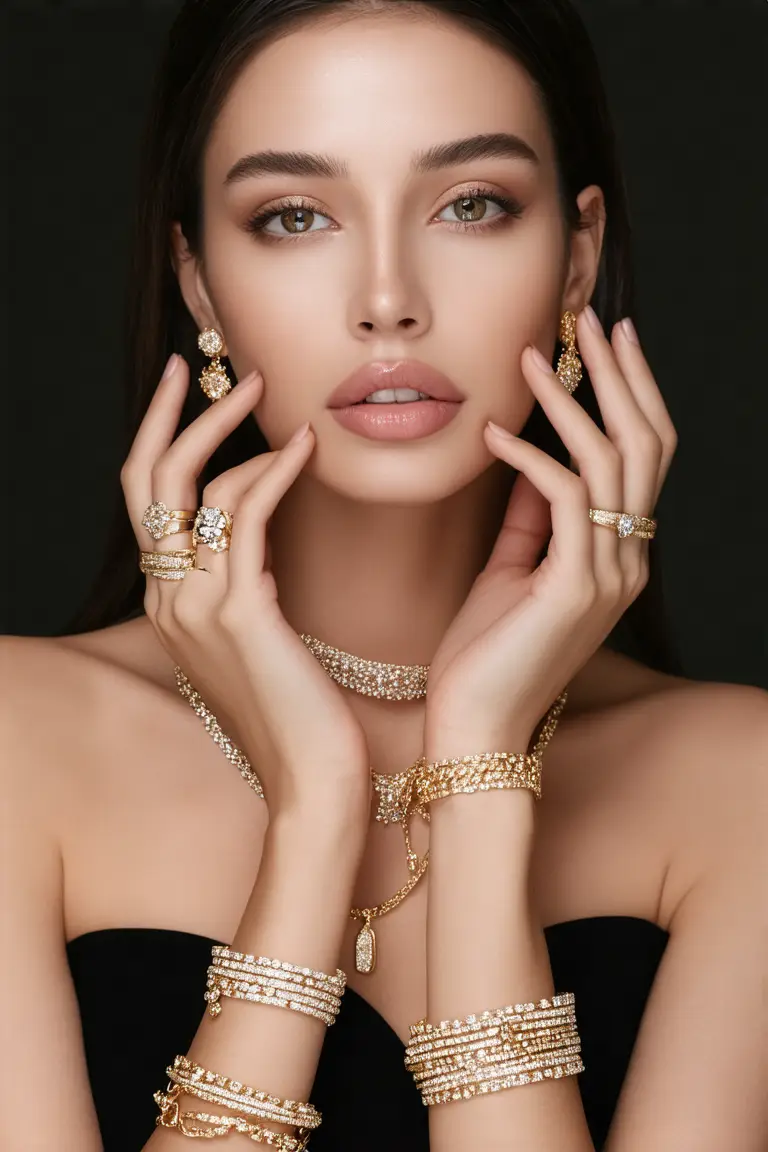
(408, 473)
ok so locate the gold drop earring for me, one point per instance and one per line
(569, 366)
(214, 380)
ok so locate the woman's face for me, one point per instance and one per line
(457, 266)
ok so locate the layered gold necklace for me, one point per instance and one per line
(396, 803)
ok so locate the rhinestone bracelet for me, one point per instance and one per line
(171, 1116)
(219, 1089)
(264, 980)
(505, 1047)
(478, 773)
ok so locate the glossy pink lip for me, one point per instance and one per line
(394, 374)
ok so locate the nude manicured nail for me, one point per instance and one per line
(592, 317)
(540, 361)
(172, 361)
(630, 331)
(300, 433)
(500, 431)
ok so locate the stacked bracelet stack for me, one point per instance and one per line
(191, 1078)
(503, 1048)
(263, 980)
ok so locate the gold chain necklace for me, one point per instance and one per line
(395, 805)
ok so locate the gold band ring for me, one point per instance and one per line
(624, 523)
(159, 520)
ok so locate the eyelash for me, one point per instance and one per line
(511, 209)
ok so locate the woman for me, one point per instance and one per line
(345, 199)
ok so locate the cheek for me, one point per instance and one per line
(279, 323)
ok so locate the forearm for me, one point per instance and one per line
(297, 912)
(486, 950)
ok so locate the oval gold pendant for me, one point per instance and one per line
(365, 949)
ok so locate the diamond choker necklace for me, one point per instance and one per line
(369, 677)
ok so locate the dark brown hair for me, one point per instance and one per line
(208, 44)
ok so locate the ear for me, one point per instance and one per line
(189, 273)
(586, 247)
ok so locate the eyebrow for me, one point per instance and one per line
(455, 152)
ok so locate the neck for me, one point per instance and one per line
(380, 581)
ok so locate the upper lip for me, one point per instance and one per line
(394, 374)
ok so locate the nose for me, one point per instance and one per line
(390, 300)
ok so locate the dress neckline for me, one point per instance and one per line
(351, 993)
(606, 918)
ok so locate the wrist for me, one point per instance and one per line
(451, 742)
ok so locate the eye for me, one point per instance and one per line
(471, 207)
(296, 216)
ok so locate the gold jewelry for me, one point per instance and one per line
(625, 523)
(264, 980)
(370, 677)
(486, 770)
(478, 773)
(503, 1048)
(569, 366)
(172, 1117)
(213, 526)
(219, 1089)
(388, 811)
(161, 521)
(397, 803)
(365, 944)
(214, 380)
(172, 565)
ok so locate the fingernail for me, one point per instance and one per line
(630, 331)
(247, 379)
(540, 361)
(591, 316)
(169, 366)
(500, 431)
(300, 433)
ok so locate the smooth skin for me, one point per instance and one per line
(655, 787)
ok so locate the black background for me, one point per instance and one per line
(687, 83)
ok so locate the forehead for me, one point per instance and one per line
(374, 89)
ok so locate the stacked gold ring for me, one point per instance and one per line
(159, 520)
(172, 565)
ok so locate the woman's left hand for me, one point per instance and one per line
(524, 631)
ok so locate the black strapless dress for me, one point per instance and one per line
(609, 962)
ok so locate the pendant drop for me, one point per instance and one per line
(365, 949)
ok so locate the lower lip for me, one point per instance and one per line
(397, 421)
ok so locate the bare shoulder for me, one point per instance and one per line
(68, 702)
(700, 754)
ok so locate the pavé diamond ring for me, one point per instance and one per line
(624, 523)
(161, 521)
(213, 526)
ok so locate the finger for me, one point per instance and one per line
(568, 500)
(155, 434)
(226, 492)
(599, 462)
(647, 394)
(625, 422)
(175, 471)
(249, 543)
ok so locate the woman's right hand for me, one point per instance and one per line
(224, 627)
